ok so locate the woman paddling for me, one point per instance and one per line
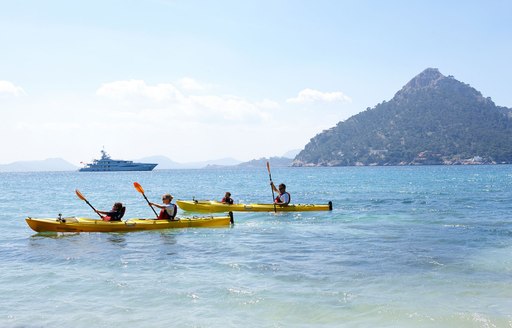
(168, 210)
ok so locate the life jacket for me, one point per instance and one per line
(227, 200)
(164, 215)
(115, 215)
(278, 198)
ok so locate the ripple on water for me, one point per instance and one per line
(403, 247)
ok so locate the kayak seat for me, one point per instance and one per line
(121, 212)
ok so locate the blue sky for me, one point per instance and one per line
(198, 80)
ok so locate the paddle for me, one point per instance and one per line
(141, 190)
(79, 194)
(271, 188)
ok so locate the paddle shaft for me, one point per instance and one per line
(82, 197)
(87, 202)
(139, 188)
(271, 187)
(150, 204)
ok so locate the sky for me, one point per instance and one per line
(204, 80)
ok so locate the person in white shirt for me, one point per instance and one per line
(168, 210)
(284, 197)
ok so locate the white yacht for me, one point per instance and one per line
(108, 164)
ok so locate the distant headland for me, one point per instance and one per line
(434, 119)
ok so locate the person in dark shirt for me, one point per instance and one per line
(227, 198)
(115, 214)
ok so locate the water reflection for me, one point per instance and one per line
(54, 235)
(117, 239)
(167, 238)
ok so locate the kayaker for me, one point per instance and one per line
(115, 214)
(284, 197)
(168, 210)
(227, 199)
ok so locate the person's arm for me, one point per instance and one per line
(274, 187)
(157, 205)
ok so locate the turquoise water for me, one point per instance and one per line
(403, 247)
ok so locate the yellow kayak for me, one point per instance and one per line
(74, 224)
(212, 206)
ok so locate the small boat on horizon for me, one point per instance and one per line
(106, 163)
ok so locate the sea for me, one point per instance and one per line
(422, 246)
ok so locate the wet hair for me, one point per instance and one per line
(282, 185)
(117, 206)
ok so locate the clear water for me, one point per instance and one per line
(403, 247)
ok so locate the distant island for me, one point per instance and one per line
(262, 162)
(47, 165)
(433, 119)
(164, 163)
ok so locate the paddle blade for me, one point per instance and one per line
(268, 167)
(79, 194)
(138, 187)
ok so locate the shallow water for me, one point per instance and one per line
(403, 247)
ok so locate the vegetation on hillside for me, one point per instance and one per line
(433, 120)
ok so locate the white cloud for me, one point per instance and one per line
(138, 89)
(269, 104)
(189, 84)
(229, 107)
(137, 117)
(311, 95)
(8, 88)
(165, 100)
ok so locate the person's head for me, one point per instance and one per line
(282, 187)
(167, 198)
(228, 194)
(117, 206)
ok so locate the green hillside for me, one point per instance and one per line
(433, 119)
